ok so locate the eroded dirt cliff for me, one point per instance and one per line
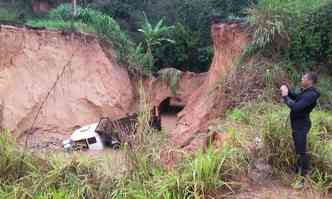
(69, 80)
(206, 102)
(89, 84)
(82, 82)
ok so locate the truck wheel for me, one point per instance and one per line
(116, 146)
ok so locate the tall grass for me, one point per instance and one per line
(54, 177)
(269, 122)
(295, 7)
(61, 24)
(197, 176)
(255, 123)
(194, 177)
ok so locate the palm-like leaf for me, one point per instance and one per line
(154, 36)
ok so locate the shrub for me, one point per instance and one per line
(324, 86)
(7, 14)
(108, 28)
(311, 36)
(89, 20)
(186, 53)
(52, 24)
(64, 12)
(171, 77)
(270, 34)
(277, 139)
(192, 50)
(26, 175)
(270, 123)
(299, 31)
(14, 164)
(154, 37)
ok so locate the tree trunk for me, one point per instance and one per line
(74, 7)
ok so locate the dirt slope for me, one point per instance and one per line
(187, 85)
(206, 103)
(90, 85)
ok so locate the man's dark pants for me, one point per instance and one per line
(301, 129)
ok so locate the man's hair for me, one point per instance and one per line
(312, 76)
(216, 20)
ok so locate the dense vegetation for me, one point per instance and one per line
(191, 49)
(295, 31)
(292, 31)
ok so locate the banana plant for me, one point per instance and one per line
(154, 36)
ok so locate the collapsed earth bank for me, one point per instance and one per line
(55, 82)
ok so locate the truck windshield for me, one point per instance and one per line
(92, 140)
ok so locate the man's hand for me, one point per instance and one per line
(284, 90)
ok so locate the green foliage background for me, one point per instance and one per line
(305, 24)
(192, 47)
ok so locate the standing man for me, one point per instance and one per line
(301, 106)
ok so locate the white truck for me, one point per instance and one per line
(84, 138)
(106, 133)
(94, 137)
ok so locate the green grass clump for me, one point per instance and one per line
(269, 122)
(171, 77)
(277, 138)
(324, 85)
(88, 20)
(196, 177)
(211, 170)
(8, 14)
(27, 176)
(60, 24)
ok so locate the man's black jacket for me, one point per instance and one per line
(301, 105)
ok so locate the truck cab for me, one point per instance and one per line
(106, 132)
(84, 138)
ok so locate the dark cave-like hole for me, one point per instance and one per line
(170, 107)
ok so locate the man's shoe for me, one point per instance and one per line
(298, 184)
